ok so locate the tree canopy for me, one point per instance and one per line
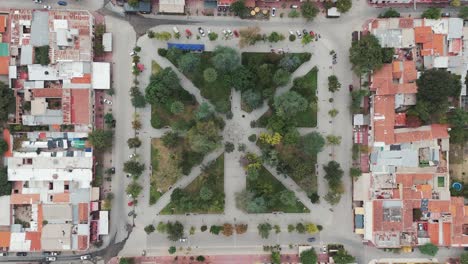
(7, 102)
(344, 5)
(189, 62)
(134, 167)
(333, 83)
(435, 86)
(239, 8)
(308, 256)
(289, 104)
(204, 137)
(463, 13)
(175, 231)
(432, 13)
(342, 257)
(225, 59)
(366, 54)
(5, 185)
(162, 87)
(312, 143)
(464, 258)
(333, 174)
(429, 249)
(309, 10)
(458, 120)
(3, 146)
(101, 139)
(390, 13)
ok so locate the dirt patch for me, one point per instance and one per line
(459, 161)
(165, 162)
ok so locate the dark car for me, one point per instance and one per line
(62, 3)
(351, 87)
(304, 31)
(445, 14)
(311, 239)
(21, 254)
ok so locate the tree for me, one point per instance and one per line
(204, 111)
(225, 59)
(133, 2)
(210, 75)
(463, 12)
(125, 261)
(164, 85)
(275, 37)
(275, 257)
(229, 147)
(161, 227)
(435, 86)
(215, 229)
(366, 54)
(300, 228)
(41, 54)
(203, 137)
(311, 228)
(108, 118)
(288, 198)
(205, 193)
(290, 62)
(464, 258)
(134, 189)
(333, 140)
(7, 102)
(333, 174)
(333, 112)
(134, 167)
(291, 228)
(344, 5)
(458, 120)
(281, 77)
(455, 3)
(355, 172)
(5, 185)
(429, 249)
(312, 143)
(333, 83)
(172, 250)
(308, 256)
(289, 104)
(134, 142)
(200, 258)
(252, 99)
(170, 139)
(101, 139)
(177, 107)
(149, 229)
(175, 231)
(293, 14)
(306, 39)
(292, 37)
(432, 13)
(212, 36)
(189, 62)
(242, 79)
(264, 230)
(389, 13)
(239, 8)
(309, 10)
(342, 257)
(3, 146)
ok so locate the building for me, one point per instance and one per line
(403, 200)
(172, 6)
(142, 7)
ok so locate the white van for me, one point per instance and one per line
(176, 30)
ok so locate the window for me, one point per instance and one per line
(27, 161)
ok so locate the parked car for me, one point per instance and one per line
(351, 87)
(176, 30)
(133, 53)
(132, 212)
(130, 203)
(201, 31)
(62, 3)
(445, 14)
(291, 32)
(294, 6)
(236, 34)
(299, 34)
(38, 1)
(183, 239)
(131, 156)
(21, 254)
(3, 254)
(47, 7)
(107, 101)
(273, 12)
(311, 239)
(51, 259)
(311, 33)
(85, 257)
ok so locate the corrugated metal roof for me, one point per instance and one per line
(40, 28)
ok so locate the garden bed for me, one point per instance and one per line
(205, 195)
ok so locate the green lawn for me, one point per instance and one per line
(308, 118)
(266, 181)
(189, 199)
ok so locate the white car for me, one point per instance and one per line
(298, 33)
(183, 239)
(107, 101)
(133, 53)
(38, 1)
(85, 257)
(131, 156)
(291, 32)
(273, 12)
(51, 259)
(47, 7)
(201, 31)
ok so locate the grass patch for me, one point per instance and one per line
(155, 68)
(267, 181)
(161, 115)
(193, 199)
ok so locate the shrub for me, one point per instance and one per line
(253, 138)
(300, 228)
(214, 229)
(210, 75)
(172, 250)
(150, 34)
(429, 249)
(292, 37)
(149, 229)
(200, 258)
(203, 228)
(162, 52)
(291, 228)
(229, 147)
(227, 229)
(355, 172)
(241, 228)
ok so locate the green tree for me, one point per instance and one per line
(333, 140)
(204, 111)
(164, 85)
(429, 249)
(264, 230)
(7, 102)
(177, 107)
(108, 118)
(308, 256)
(205, 193)
(125, 261)
(355, 172)
(281, 77)
(3, 146)
(225, 59)
(215, 229)
(312, 143)
(463, 13)
(134, 167)
(210, 75)
(204, 137)
(288, 198)
(333, 83)
(149, 229)
(252, 99)
(161, 227)
(366, 54)
(291, 228)
(289, 104)
(229, 147)
(172, 250)
(455, 3)
(387, 55)
(344, 5)
(175, 231)
(212, 36)
(432, 13)
(189, 62)
(275, 37)
(390, 13)
(242, 79)
(333, 174)
(290, 62)
(309, 10)
(435, 86)
(170, 139)
(101, 139)
(306, 39)
(342, 257)
(5, 185)
(134, 142)
(464, 258)
(134, 189)
(200, 258)
(239, 8)
(458, 120)
(300, 228)
(275, 257)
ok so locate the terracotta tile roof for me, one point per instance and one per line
(406, 23)
(438, 206)
(4, 63)
(61, 197)
(379, 223)
(433, 231)
(407, 215)
(422, 34)
(35, 238)
(82, 242)
(436, 131)
(80, 108)
(375, 23)
(447, 230)
(5, 239)
(17, 198)
(3, 23)
(47, 92)
(83, 212)
(384, 119)
(40, 217)
(400, 119)
(85, 79)
(456, 46)
(382, 80)
(410, 72)
(459, 218)
(7, 138)
(438, 44)
(397, 69)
